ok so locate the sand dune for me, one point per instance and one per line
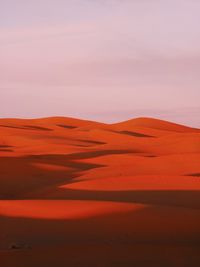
(62, 209)
(156, 124)
(123, 194)
(129, 183)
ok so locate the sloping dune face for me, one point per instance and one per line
(62, 209)
(83, 193)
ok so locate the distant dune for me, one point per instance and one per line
(83, 193)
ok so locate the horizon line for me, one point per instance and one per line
(101, 122)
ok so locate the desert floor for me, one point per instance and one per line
(83, 193)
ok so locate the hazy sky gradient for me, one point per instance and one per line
(106, 59)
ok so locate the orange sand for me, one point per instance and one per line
(83, 193)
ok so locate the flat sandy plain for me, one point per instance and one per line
(83, 193)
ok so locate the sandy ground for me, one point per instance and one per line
(83, 193)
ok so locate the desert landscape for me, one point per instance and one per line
(83, 193)
(99, 133)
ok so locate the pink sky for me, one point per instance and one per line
(104, 60)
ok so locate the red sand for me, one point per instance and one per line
(148, 182)
(62, 209)
(82, 193)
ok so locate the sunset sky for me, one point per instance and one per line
(105, 60)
